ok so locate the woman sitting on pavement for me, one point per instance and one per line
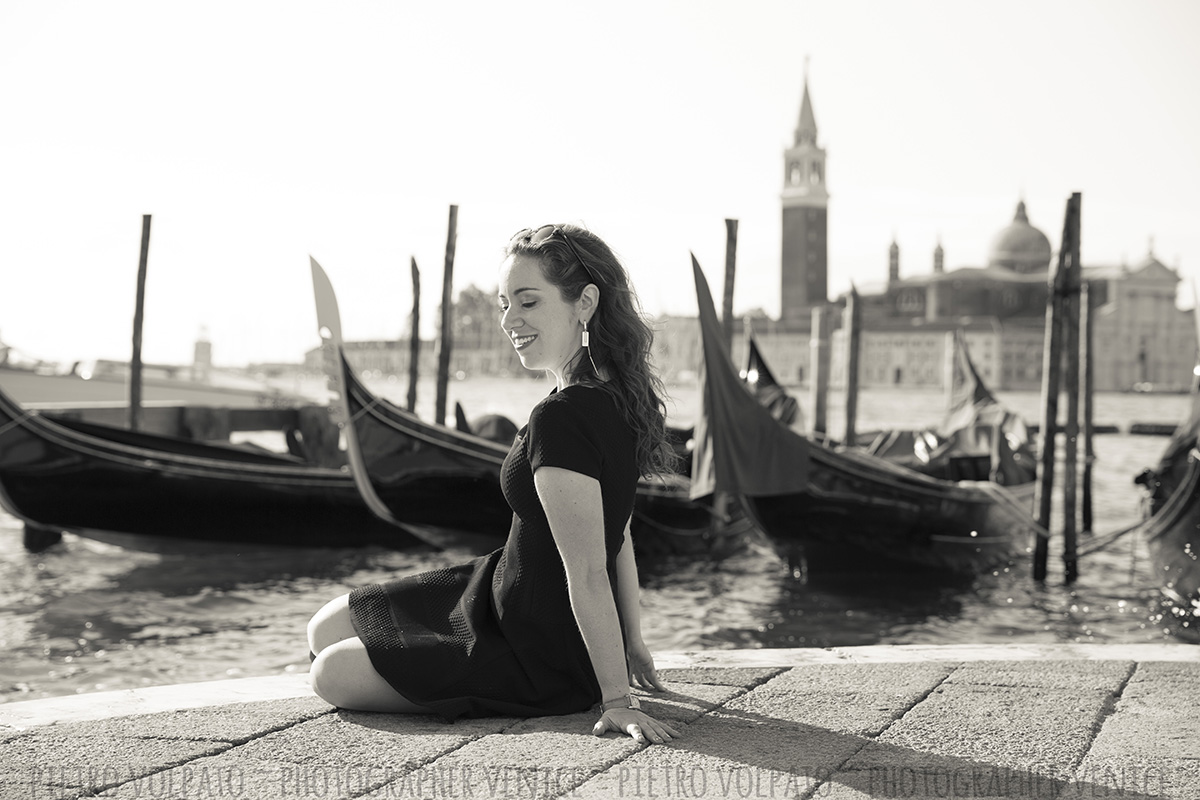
(549, 623)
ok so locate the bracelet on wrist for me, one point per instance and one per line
(624, 701)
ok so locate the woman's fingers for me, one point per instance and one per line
(636, 724)
(642, 671)
(644, 732)
(653, 730)
(646, 677)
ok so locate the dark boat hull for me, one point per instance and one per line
(423, 474)
(859, 515)
(68, 475)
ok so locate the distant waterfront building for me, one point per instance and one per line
(377, 358)
(478, 347)
(202, 358)
(1141, 338)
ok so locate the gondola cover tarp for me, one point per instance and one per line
(740, 448)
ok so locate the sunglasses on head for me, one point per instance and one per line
(548, 232)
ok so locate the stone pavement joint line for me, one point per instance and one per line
(1110, 705)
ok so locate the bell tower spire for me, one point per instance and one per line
(804, 269)
(806, 127)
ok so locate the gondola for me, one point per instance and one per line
(446, 481)
(1171, 529)
(160, 492)
(840, 509)
(978, 438)
(1172, 535)
(768, 391)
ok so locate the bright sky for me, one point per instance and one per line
(257, 133)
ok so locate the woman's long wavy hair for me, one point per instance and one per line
(620, 336)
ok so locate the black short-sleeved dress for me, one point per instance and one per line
(497, 636)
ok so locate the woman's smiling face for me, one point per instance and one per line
(542, 326)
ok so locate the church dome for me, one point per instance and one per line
(1020, 247)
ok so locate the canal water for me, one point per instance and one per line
(86, 616)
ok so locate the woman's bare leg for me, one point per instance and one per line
(343, 676)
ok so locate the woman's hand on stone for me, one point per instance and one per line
(637, 724)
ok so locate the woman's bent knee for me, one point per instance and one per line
(343, 676)
(335, 675)
(331, 624)
(323, 676)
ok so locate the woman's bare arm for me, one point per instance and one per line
(640, 662)
(574, 509)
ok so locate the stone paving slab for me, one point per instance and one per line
(819, 724)
(782, 738)
(848, 698)
(549, 754)
(54, 765)
(992, 730)
(335, 755)
(1151, 743)
(234, 723)
(151, 699)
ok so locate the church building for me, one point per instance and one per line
(1141, 339)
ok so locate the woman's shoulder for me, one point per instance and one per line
(578, 402)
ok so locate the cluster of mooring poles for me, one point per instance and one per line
(1066, 367)
(446, 333)
(820, 361)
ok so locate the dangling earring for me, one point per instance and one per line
(587, 347)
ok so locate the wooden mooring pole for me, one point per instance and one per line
(852, 322)
(1089, 453)
(135, 362)
(1073, 384)
(445, 340)
(721, 500)
(819, 356)
(414, 338)
(1051, 374)
(731, 228)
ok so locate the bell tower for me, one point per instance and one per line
(804, 255)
